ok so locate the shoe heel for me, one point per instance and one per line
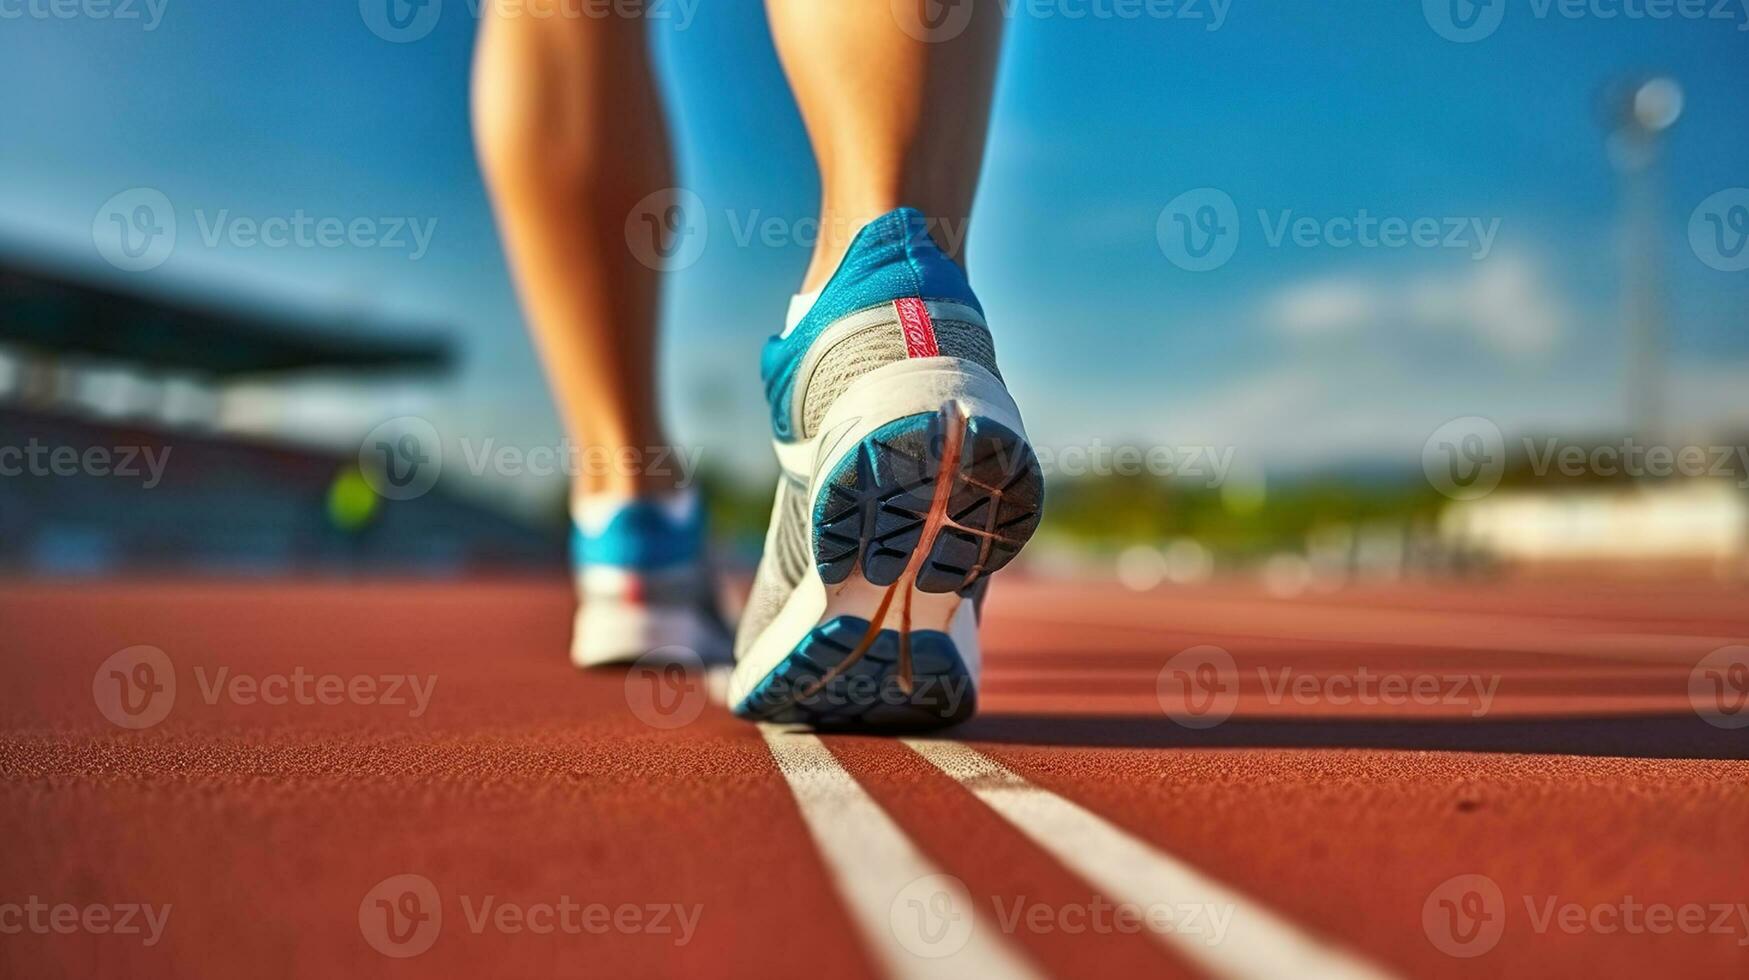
(845, 674)
(964, 489)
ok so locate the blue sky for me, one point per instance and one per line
(1297, 353)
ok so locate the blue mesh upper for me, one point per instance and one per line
(891, 258)
(642, 537)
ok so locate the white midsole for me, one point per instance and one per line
(897, 390)
(892, 392)
(612, 631)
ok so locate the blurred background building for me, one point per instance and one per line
(129, 423)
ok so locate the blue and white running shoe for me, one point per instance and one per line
(906, 480)
(644, 583)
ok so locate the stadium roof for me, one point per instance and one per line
(60, 314)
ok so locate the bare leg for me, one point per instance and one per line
(571, 137)
(894, 120)
(903, 401)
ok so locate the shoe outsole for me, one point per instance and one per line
(872, 508)
(814, 687)
(888, 497)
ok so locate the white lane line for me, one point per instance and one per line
(918, 921)
(1256, 942)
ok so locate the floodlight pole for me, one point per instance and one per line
(1640, 118)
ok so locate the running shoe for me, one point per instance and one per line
(907, 479)
(644, 583)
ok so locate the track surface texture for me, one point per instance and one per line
(621, 823)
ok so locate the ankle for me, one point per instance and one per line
(839, 225)
(592, 511)
(629, 466)
(838, 229)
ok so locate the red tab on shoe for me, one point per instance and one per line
(918, 328)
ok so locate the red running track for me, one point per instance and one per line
(1583, 783)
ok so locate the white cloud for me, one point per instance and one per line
(1327, 306)
(1312, 413)
(1504, 303)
